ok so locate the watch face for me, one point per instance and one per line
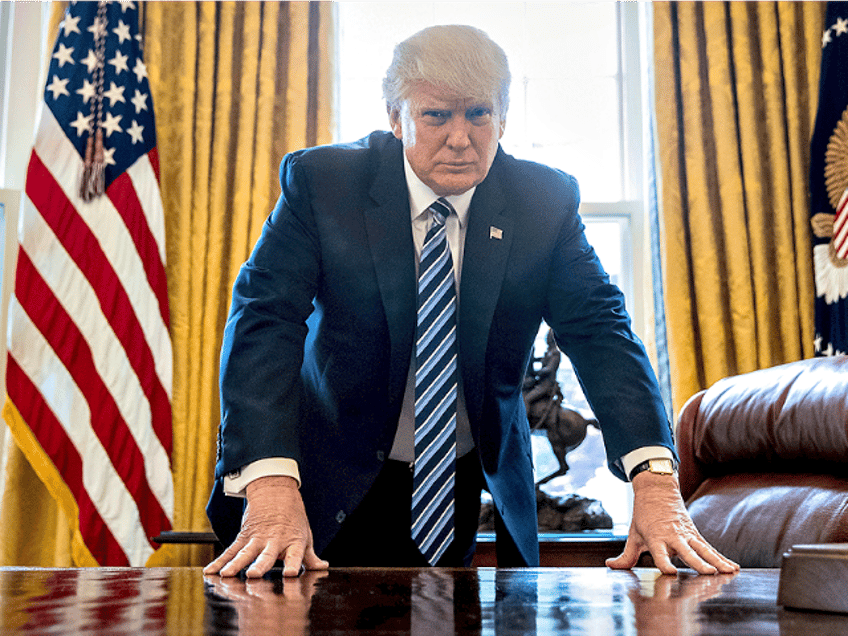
(661, 466)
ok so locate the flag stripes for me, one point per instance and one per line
(102, 224)
(840, 227)
(124, 196)
(84, 250)
(76, 295)
(89, 356)
(96, 534)
(68, 407)
(71, 350)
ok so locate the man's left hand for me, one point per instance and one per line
(662, 526)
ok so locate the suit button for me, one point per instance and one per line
(340, 516)
(381, 456)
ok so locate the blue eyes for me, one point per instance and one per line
(474, 115)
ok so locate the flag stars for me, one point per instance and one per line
(119, 62)
(82, 123)
(90, 60)
(70, 25)
(112, 124)
(87, 91)
(840, 27)
(115, 94)
(122, 31)
(64, 54)
(135, 131)
(125, 129)
(140, 70)
(109, 156)
(98, 28)
(58, 86)
(126, 4)
(139, 100)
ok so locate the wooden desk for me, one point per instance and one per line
(437, 602)
(556, 549)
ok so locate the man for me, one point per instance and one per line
(326, 378)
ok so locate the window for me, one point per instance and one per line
(575, 104)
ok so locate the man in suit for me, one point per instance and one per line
(322, 363)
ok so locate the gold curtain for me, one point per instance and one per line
(736, 86)
(235, 86)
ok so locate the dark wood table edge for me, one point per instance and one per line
(556, 549)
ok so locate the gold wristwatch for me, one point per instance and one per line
(662, 466)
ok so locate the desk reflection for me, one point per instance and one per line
(483, 601)
(260, 606)
(428, 602)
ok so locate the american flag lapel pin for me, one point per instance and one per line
(495, 233)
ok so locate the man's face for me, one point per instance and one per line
(450, 142)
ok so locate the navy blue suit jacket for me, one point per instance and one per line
(320, 334)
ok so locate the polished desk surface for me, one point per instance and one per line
(434, 602)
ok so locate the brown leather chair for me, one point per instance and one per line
(764, 459)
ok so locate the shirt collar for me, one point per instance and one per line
(421, 196)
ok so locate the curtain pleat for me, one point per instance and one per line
(220, 145)
(235, 86)
(735, 99)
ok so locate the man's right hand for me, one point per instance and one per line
(274, 526)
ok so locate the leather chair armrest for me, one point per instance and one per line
(690, 472)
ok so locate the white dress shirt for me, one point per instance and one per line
(421, 197)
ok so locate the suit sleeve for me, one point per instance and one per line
(263, 346)
(588, 317)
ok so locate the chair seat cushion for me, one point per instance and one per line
(754, 518)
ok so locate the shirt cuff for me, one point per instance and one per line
(636, 457)
(236, 482)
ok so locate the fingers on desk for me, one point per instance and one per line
(692, 549)
(254, 554)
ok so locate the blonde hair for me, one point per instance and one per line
(461, 58)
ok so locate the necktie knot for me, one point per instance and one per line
(441, 210)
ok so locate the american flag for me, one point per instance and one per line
(829, 187)
(89, 363)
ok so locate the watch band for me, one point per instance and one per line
(662, 466)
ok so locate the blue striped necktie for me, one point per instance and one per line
(435, 393)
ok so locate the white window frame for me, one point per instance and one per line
(632, 211)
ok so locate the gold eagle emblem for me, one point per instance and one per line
(836, 183)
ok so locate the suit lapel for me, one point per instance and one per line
(488, 240)
(390, 238)
(487, 245)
